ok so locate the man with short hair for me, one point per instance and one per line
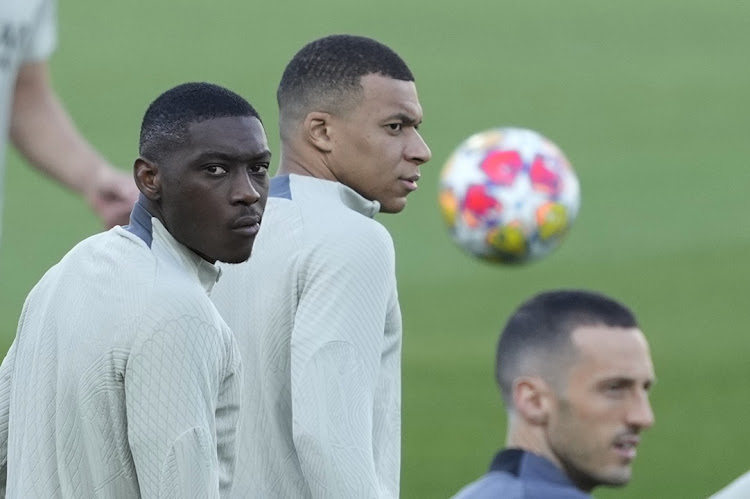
(123, 380)
(316, 312)
(575, 371)
(36, 122)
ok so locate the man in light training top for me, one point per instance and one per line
(316, 311)
(123, 380)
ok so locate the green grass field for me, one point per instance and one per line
(648, 100)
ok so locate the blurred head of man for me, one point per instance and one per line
(203, 169)
(575, 371)
(349, 112)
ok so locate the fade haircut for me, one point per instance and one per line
(536, 340)
(325, 75)
(165, 125)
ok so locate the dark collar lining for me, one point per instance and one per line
(280, 187)
(530, 466)
(140, 223)
(509, 461)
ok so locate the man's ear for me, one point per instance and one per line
(317, 130)
(147, 178)
(533, 399)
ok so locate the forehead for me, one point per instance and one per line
(605, 351)
(383, 96)
(232, 134)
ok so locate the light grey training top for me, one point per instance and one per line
(316, 315)
(123, 381)
(738, 489)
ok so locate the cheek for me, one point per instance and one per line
(194, 210)
(578, 439)
(384, 159)
(592, 415)
(601, 421)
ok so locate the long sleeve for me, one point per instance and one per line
(6, 371)
(738, 489)
(181, 428)
(337, 345)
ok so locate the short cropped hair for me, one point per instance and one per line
(165, 124)
(326, 73)
(537, 337)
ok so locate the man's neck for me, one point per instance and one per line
(529, 438)
(301, 164)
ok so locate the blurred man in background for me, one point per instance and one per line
(123, 380)
(38, 124)
(316, 314)
(575, 371)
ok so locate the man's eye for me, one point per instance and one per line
(395, 127)
(215, 170)
(615, 387)
(259, 168)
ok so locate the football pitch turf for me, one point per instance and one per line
(649, 100)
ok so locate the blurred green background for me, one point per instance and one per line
(649, 100)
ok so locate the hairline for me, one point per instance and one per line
(348, 100)
(180, 135)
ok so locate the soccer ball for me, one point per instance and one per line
(508, 195)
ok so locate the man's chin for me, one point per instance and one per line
(393, 206)
(613, 476)
(617, 478)
(235, 259)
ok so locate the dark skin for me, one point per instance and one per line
(210, 193)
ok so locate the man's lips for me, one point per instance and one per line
(626, 446)
(410, 182)
(247, 225)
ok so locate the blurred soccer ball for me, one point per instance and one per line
(508, 195)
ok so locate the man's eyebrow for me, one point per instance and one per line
(404, 118)
(627, 380)
(618, 379)
(224, 156)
